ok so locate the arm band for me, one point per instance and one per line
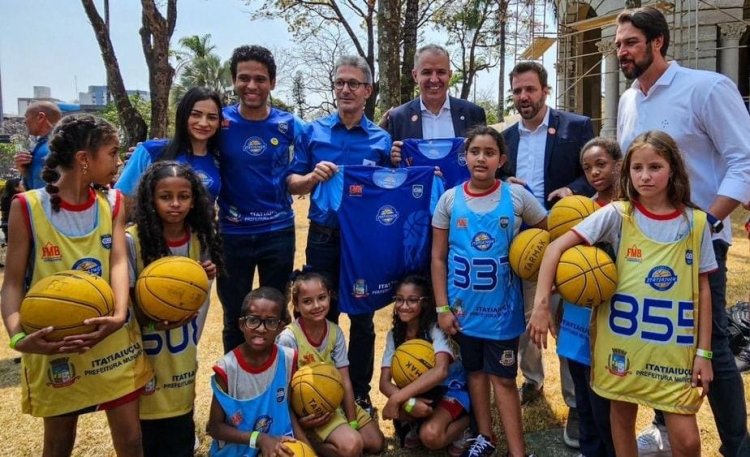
(409, 405)
(253, 443)
(15, 339)
(354, 424)
(708, 355)
(443, 309)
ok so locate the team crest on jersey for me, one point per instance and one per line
(254, 146)
(504, 221)
(482, 241)
(61, 373)
(689, 256)
(359, 290)
(634, 254)
(461, 157)
(661, 278)
(508, 358)
(387, 215)
(150, 387)
(107, 241)
(206, 180)
(263, 424)
(280, 394)
(51, 252)
(417, 190)
(283, 127)
(234, 215)
(355, 190)
(89, 265)
(618, 363)
(458, 308)
(462, 223)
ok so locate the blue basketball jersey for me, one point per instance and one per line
(255, 156)
(385, 219)
(446, 153)
(483, 292)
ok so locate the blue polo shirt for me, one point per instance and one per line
(32, 179)
(328, 139)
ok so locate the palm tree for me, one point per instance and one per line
(198, 65)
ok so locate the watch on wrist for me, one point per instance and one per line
(717, 225)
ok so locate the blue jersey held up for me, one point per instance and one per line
(255, 157)
(446, 153)
(385, 220)
(483, 292)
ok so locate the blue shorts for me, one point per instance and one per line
(496, 357)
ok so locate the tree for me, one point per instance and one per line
(156, 32)
(298, 94)
(130, 120)
(198, 65)
(389, 77)
(143, 106)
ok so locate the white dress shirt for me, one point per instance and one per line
(438, 125)
(703, 111)
(530, 158)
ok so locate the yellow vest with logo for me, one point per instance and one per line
(173, 354)
(58, 384)
(644, 340)
(306, 353)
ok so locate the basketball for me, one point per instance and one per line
(316, 389)
(568, 212)
(586, 276)
(64, 300)
(526, 252)
(171, 288)
(300, 449)
(411, 360)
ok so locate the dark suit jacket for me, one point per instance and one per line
(405, 121)
(562, 163)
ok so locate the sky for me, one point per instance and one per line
(51, 43)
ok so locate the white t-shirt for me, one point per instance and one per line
(605, 225)
(526, 208)
(440, 344)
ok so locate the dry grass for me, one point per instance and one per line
(21, 435)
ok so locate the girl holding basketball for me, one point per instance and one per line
(433, 409)
(478, 297)
(601, 159)
(174, 217)
(250, 409)
(349, 431)
(652, 342)
(75, 222)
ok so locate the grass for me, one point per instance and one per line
(21, 435)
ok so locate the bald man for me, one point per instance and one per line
(40, 119)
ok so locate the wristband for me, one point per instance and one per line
(253, 443)
(354, 424)
(409, 405)
(16, 338)
(708, 355)
(151, 326)
(443, 309)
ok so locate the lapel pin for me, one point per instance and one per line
(463, 117)
(414, 118)
(551, 131)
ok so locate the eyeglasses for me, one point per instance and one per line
(411, 301)
(352, 83)
(252, 322)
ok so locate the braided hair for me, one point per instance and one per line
(428, 317)
(200, 219)
(80, 132)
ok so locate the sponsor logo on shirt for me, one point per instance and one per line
(634, 254)
(462, 223)
(504, 221)
(355, 190)
(661, 278)
(482, 241)
(107, 241)
(387, 215)
(689, 256)
(618, 363)
(417, 190)
(150, 387)
(61, 373)
(263, 424)
(51, 252)
(280, 394)
(461, 157)
(359, 290)
(89, 265)
(283, 127)
(254, 146)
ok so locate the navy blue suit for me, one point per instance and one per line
(566, 135)
(405, 121)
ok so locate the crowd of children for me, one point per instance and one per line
(471, 312)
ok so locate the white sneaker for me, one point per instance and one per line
(653, 441)
(458, 446)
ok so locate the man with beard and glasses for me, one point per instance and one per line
(703, 111)
(544, 154)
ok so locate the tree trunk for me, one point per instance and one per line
(130, 120)
(156, 32)
(501, 79)
(389, 22)
(411, 18)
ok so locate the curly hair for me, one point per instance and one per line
(428, 317)
(82, 132)
(200, 219)
(253, 53)
(304, 275)
(678, 188)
